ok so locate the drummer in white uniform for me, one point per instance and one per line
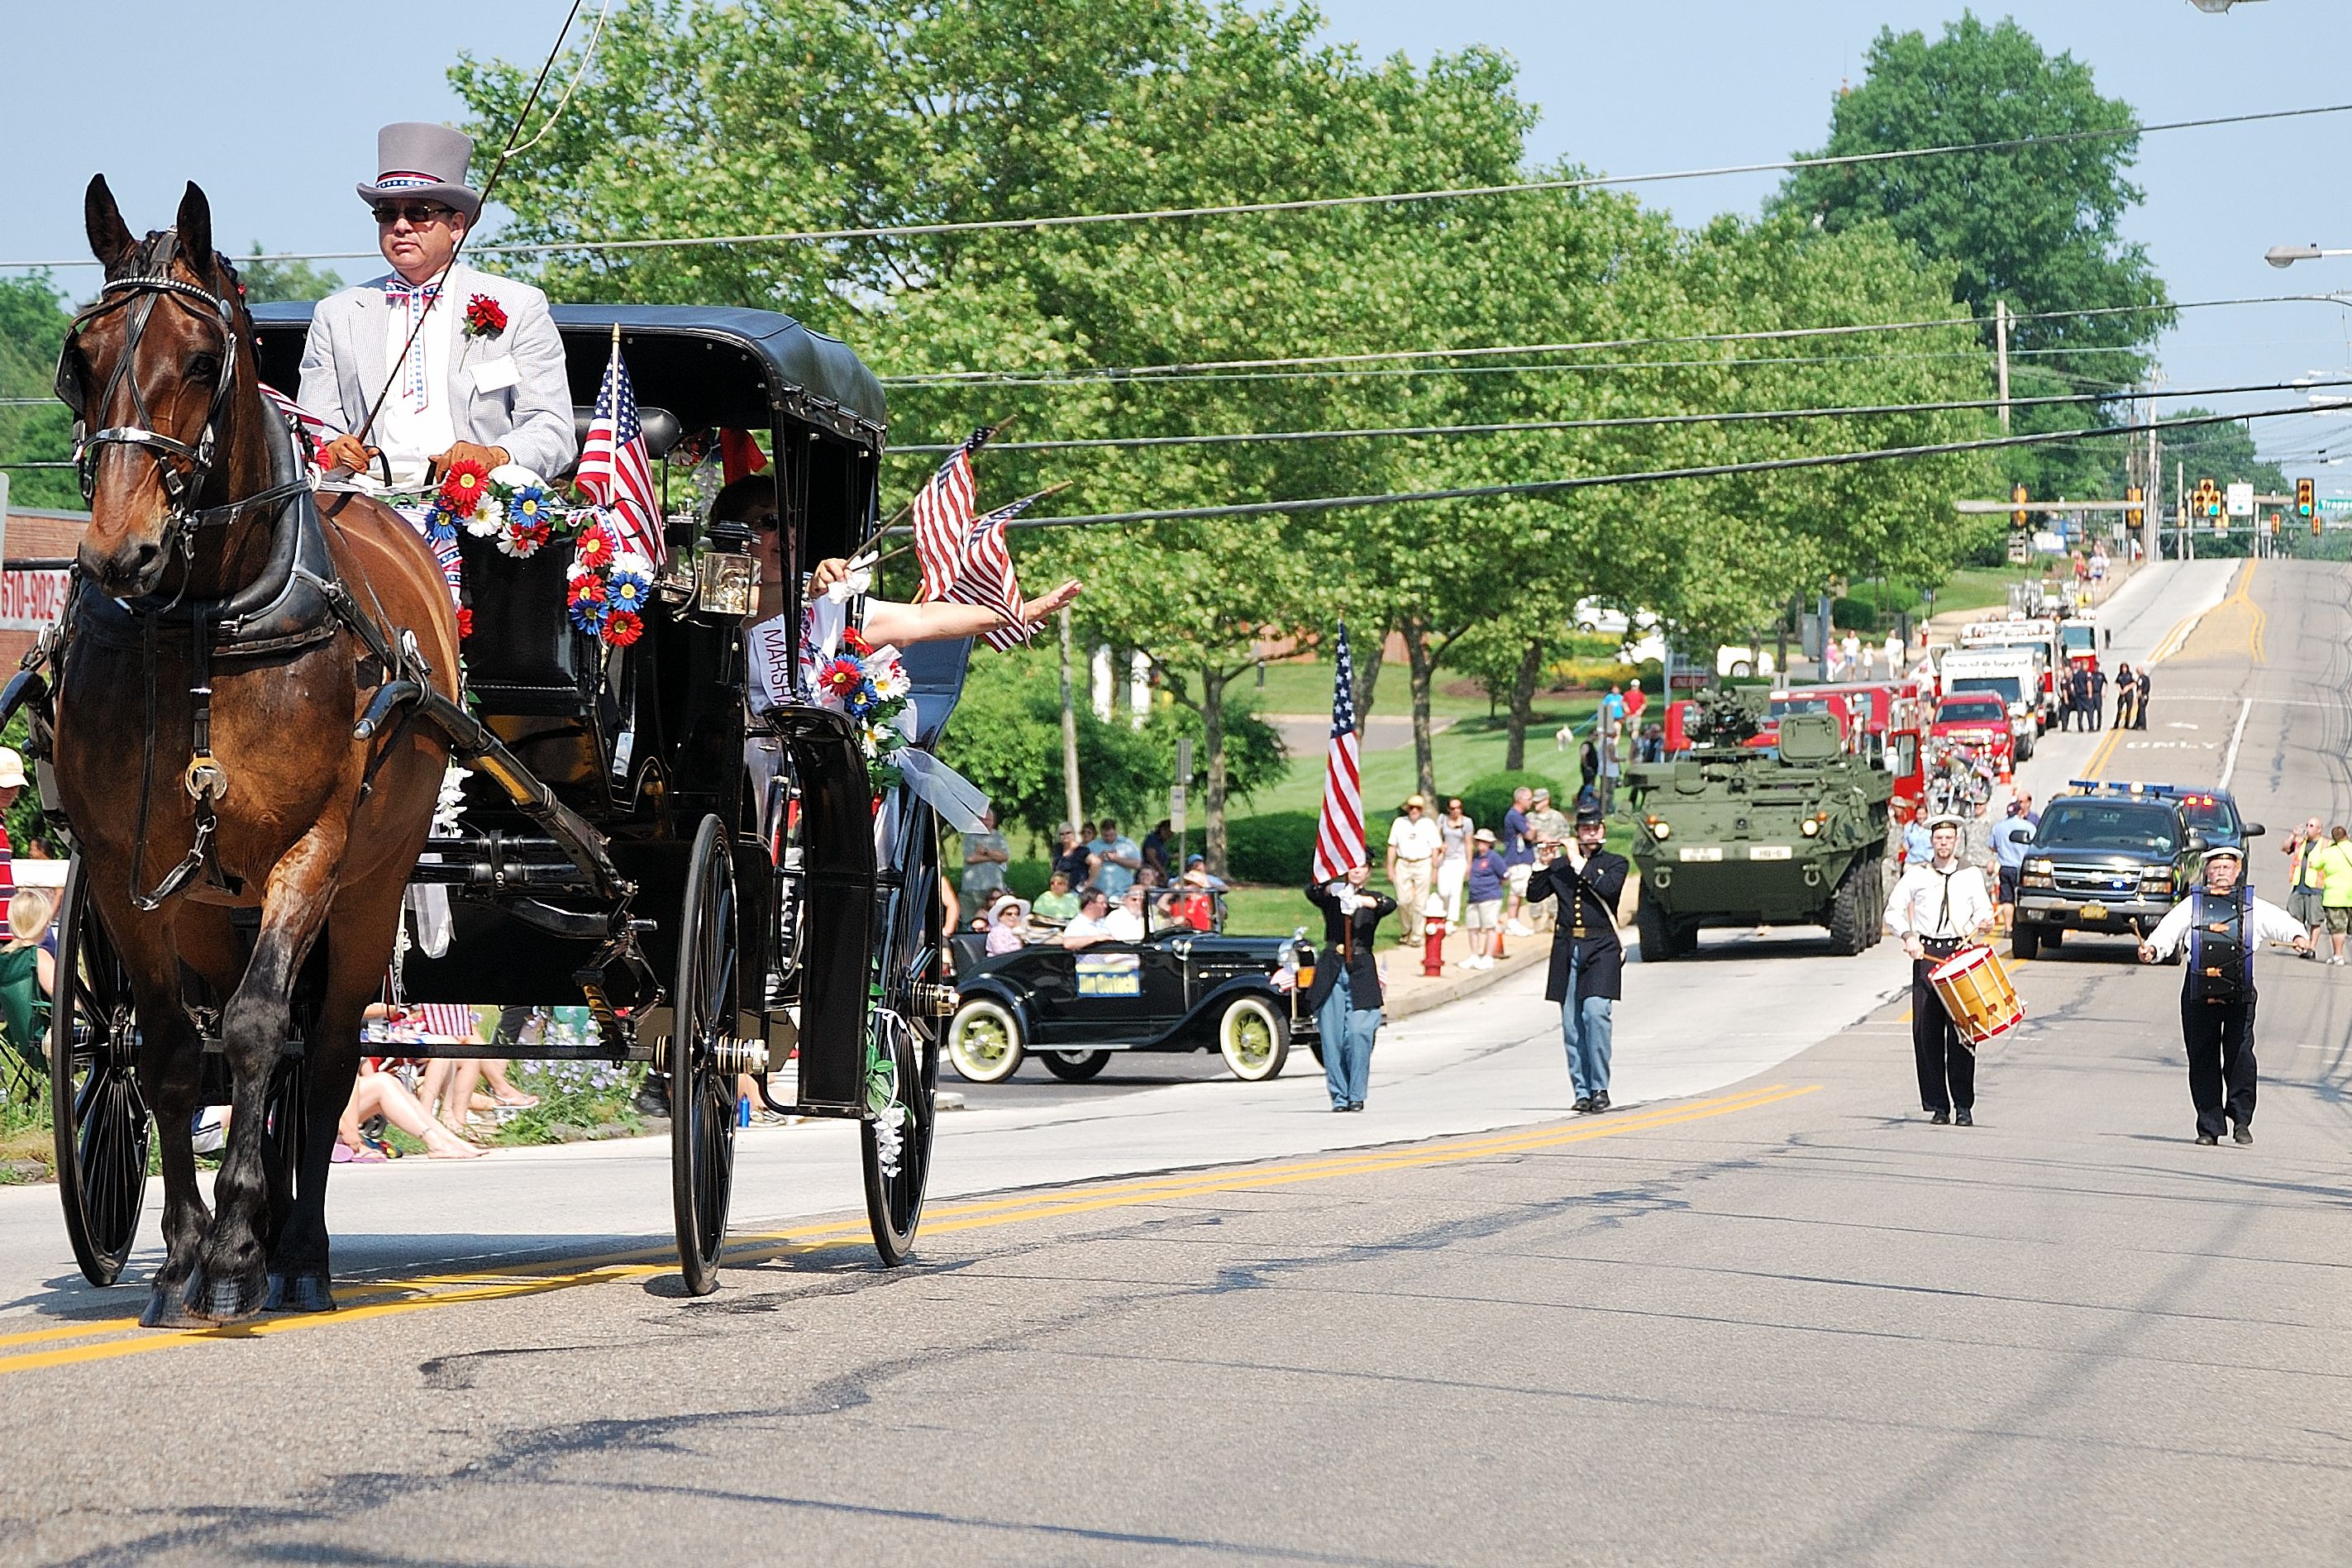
(1936, 909)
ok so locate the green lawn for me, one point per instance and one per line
(1470, 749)
(1970, 588)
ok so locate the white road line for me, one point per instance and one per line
(2230, 762)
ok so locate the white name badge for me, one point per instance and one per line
(493, 375)
(771, 665)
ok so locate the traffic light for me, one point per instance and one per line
(2206, 501)
(2134, 514)
(2020, 518)
(2306, 504)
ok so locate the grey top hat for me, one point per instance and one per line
(421, 162)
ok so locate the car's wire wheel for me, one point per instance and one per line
(984, 1041)
(1254, 1038)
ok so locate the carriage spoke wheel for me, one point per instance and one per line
(894, 1186)
(103, 1131)
(903, 1047)
(701, 1092)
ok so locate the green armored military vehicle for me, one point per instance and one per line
(1730, 833)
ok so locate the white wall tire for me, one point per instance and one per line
(984, 1041)
(1254, 1038)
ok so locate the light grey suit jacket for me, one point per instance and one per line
(344, 365)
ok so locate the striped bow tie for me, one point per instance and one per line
(413, 300)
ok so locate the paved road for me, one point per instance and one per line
(1767, 1314)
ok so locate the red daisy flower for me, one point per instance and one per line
(854, 641)
(594, 550)
(624, 628)
(462, 486)
(840, 677)
(586, 590)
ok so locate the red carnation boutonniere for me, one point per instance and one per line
(484, 317)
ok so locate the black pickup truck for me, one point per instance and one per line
(2114, 858)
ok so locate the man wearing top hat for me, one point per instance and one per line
(2222, 923)
(1936, 908)
(475, 363)
(1588, 962)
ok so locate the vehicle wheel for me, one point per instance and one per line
(2025, 749)
(898, 1159)
(2056, 937)
(103, 1131)
(1849, 917)
(1254, 1040)
(984, 1041)
(1741, 669)
(1660, 940)
(701, 1092)
(1075, 1066)
(902, 1084)
(2024, 941)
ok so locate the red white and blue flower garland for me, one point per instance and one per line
(522, 514)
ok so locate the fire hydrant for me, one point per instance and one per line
(1433, 939)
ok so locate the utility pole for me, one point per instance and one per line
(2000, 354)
(2180, 493)
(1071, 795)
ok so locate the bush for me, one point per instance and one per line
(1488, 796)
(1277, 848)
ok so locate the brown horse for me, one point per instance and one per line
(179, 700)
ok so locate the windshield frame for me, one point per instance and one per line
(2059, 811)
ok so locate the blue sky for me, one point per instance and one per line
(1625, 89)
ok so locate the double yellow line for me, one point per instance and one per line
(107, 1339)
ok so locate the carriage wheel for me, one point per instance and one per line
(702, 1090)
(103, 1132)
(894, 1195)
(907, 1039)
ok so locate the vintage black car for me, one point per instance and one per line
(1179, 989)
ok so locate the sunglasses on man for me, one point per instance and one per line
(419, 214)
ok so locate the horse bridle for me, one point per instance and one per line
(138, 295)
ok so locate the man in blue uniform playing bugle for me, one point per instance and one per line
(1588, 962)
(2222, 923)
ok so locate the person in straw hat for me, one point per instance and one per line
(475, 366)
(1937, 908)
(2222, 923)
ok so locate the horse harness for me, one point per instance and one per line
(296, 601)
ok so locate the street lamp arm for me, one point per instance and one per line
(2288, 255)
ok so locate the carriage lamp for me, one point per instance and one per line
(725, 583)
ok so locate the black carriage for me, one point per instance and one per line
(617, 844)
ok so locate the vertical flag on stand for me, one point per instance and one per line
(615, 471)
(986, 577)
(1339, 836)
(943, 518)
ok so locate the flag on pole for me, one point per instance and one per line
(987, 577)
(1340, 835)
(943, 518)
(615, 471)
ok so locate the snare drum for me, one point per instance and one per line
(1976, 990)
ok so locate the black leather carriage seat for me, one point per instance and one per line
(661, 427)
(935, 671)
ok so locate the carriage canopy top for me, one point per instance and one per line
(712, 366)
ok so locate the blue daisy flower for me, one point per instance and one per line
(627, 590)
(527, 504)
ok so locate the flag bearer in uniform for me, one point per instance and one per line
(480, 372)
(1935, 909)
(2222, 923)
(1588, 961)
(1346, 996)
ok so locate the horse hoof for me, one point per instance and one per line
(226, 1301)
(303, 1292)
(167, 1308)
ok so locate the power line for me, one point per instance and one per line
(1312, 204)
(1142, 372)
(1599, 481)
(1613, 422)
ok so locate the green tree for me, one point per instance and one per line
(2038, 227)
(33, 322)
(266, 281)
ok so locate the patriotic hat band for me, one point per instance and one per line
(424, 162)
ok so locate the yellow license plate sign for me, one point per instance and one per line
(2095, 912)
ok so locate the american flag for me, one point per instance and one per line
(615, 472)
(1339, 836)
(986, 577)
(943, 518)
